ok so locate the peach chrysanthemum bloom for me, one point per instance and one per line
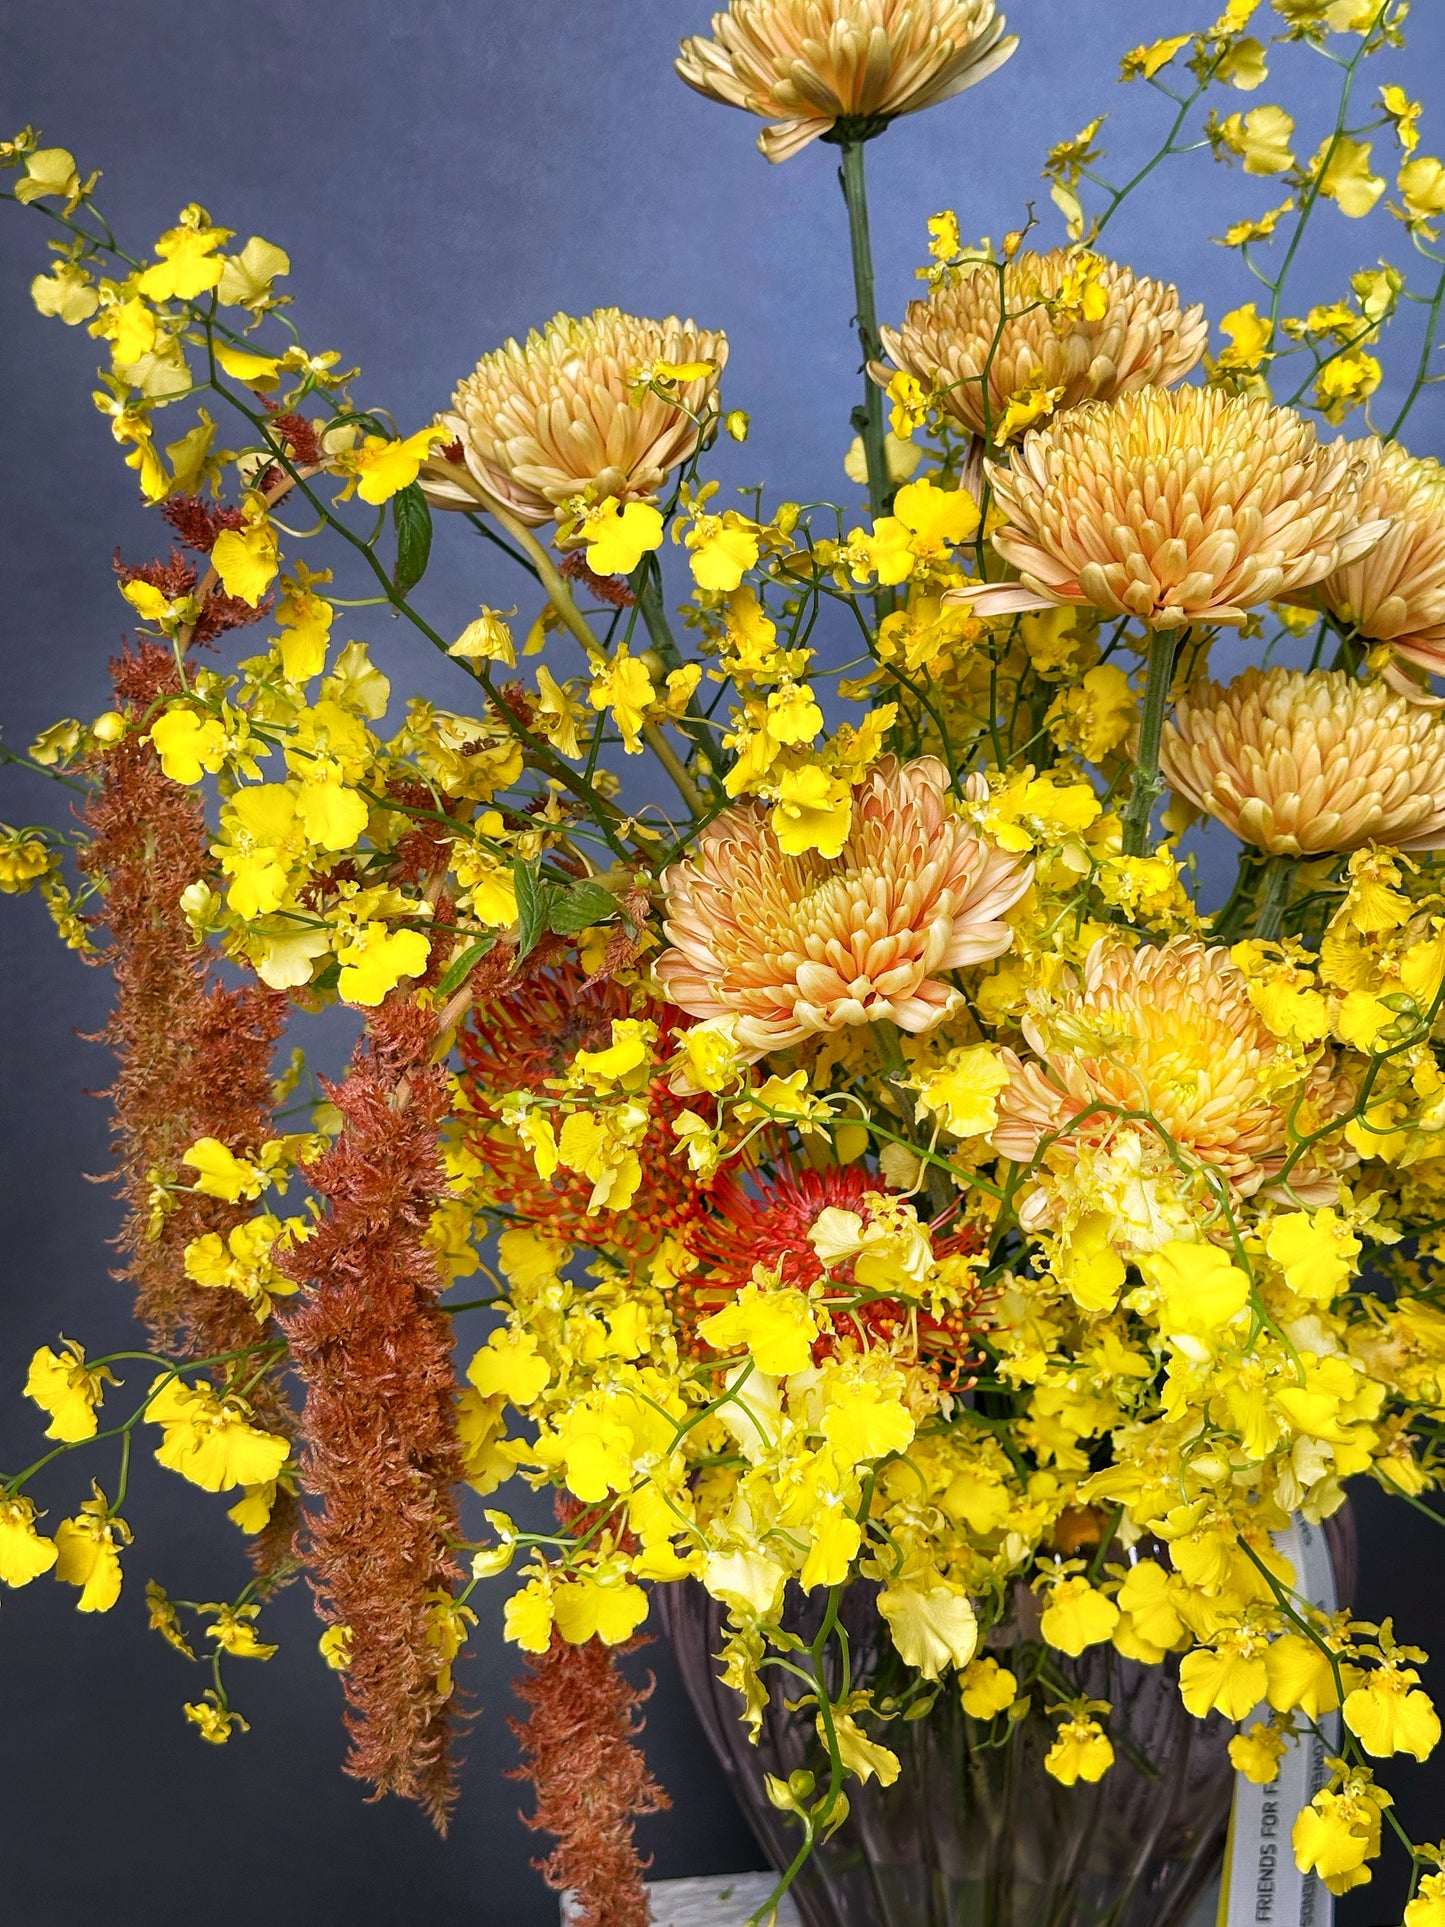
(542, 420)
(1396, 593)
(1170, 1030)
(808, 64)
(793, 945)
(1173, 506)
(1310, 763)
(960, 347)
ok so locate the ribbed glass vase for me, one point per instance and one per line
(974, 1832)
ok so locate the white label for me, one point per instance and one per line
(1262, 1885)
(719, 1900)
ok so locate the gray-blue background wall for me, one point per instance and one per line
(443, 175)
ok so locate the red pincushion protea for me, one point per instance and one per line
(765, 1220)
(529, 1034)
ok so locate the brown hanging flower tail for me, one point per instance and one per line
(580, 1752)
(380, 1447)
(194, 1055)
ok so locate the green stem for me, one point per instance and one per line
(855, 193)
(647, 587)
(890, 1049)
(1274, 896)
(896, 1072)
(1148, 784)
(1422, 370)
(1312, 193)
(41, 769)
(1229, 921)
(663, 750)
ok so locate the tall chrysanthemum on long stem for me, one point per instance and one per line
(380, 1449)
(809, 65)
(841, 70)
(1174, 506)
(795, 945)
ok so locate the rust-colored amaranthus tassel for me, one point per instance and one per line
(580, 1747)
(380, 1448)
(194, 1055)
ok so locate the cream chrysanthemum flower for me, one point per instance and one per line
(808, 64)
(1310, 764)
(960, 346)
(794, 945)
(541, 421)
(1396, 593)
(1173, 506)
(1170, 1031)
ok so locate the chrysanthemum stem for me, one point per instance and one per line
(1230, 920)
(855, 193)
(1274, 895)
(895, 1069)
(890, 1048)
(670, 760)
(1164, 648)
(647, 587)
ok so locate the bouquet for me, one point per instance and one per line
(791, 981)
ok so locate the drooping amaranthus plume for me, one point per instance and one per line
(194, 1055)
(198, 522)
(198, 526)
(592, 1782)
(606, 588)
(379, 1440)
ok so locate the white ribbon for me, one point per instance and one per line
(1262, 1885)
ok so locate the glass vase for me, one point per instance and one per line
(974, 1832)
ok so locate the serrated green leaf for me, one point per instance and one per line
(585, 903)
(459, 969)
(412, 516)
(535, 898)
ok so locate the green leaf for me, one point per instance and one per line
(412, 517)
(459, 969)
(586, 903)
(535, 897)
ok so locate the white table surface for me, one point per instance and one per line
(726, 1900)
